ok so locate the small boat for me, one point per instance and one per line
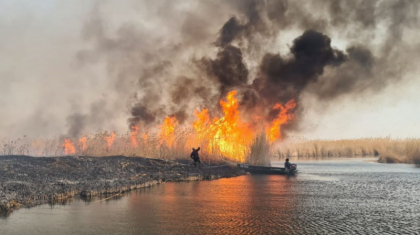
(268, 170)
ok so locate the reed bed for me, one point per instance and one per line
(386, 149)
(259, 152)
(154, 146)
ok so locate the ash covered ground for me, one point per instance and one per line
(28, 181)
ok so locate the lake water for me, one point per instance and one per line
(327, 197)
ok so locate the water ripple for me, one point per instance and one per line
(327, 198)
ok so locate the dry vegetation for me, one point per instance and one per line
(96, 145)
(388, 150)
(260, 151)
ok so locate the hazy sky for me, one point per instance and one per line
(394, 112)
(54, 66)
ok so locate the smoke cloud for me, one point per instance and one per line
(127, 63)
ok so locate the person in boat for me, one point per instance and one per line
(195, 157)
(287, 164)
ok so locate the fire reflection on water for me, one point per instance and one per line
(367, 199)
(227, 206)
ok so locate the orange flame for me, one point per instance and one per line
(228, 136)
(133, 136)
(167, 131)
(69, 147)
(144, 136)
(274, 131)
(201, 123)
(82, 143)
(110, 140)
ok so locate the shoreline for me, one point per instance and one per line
(30, 181)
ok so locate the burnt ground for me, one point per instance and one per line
(28, 181)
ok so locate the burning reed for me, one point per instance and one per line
(231, 137)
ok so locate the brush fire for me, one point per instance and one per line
(215, 82)
(225, 111)
(224, 106)
(228, 135)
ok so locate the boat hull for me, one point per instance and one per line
(266, 170)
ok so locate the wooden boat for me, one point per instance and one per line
(268, 170)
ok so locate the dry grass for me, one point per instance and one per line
(390, 157)
(332, 148)
(96, 145)
(388, 150)
(413, 152)
(259, 153)
(410, 153)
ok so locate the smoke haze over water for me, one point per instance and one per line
(70, 68)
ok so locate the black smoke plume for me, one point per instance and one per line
(228, 69)
(243, 55)
(282, 79)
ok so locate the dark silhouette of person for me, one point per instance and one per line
(287, 164)
(195, 157)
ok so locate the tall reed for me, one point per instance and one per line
(259, 152)
(386, 149)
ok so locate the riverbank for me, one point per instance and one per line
(328, 197)
(28, 181)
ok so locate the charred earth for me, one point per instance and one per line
(28, 181)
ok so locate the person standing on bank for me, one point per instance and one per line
(195, 157)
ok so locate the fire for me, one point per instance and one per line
(69, 147)
(82, 142)
(167, 131)
(228, 136)
(284, 116)
(110, 140)
(201, 123)
(133, 136)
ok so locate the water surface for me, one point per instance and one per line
(327, 197)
